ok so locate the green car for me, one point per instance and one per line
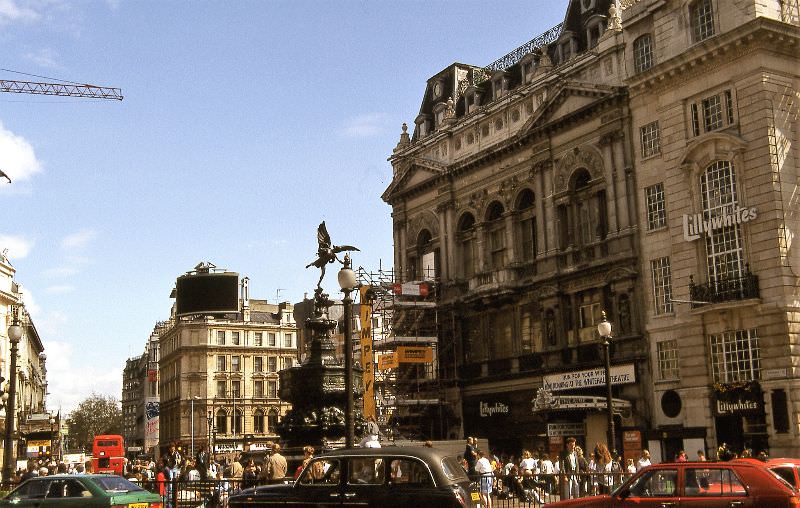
(84, 491)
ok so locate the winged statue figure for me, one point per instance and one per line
(326, 253)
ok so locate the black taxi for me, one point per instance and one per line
(391, 477)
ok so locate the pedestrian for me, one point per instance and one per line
(276, 465)
(681, 457)
(569, 467)
(202, 462)
(644, 460)
(249, 476)
(484, 468)
(471, 456)
(236, 468)
(604, 463)
(631, 467)
(701, 456)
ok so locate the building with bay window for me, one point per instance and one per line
(714, 103)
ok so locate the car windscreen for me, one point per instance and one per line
(786, 474)
(453, 470)
(116, 484)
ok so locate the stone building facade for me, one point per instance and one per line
(220, 374)
(516, 190)
(639, 159)
(714, 106)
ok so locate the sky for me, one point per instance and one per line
(244, 125)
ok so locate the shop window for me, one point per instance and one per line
(780, 411)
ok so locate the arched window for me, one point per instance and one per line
(222, 421)
(550, 336)
(237, 421)
(496, 233)
(427, 254)
(466, 240)
(526, 225)
(272, 420)
(724, 246)
(643, 53)
(258, 421)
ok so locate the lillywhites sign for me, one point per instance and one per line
(743, 404)
(694, 226)
(491, 409)
(620, 375)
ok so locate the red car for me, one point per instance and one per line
(788, 469)
(735, 484)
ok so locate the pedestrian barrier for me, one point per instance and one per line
(541, 489)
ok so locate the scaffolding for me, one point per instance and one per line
(410, 398)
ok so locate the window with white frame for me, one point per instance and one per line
(221, 363)
(713, 112)
(258, 364)
(735, 356)
(656, 208)
(236, 363)
(271, 339)
(651, 142)
(667, 351)
(258, 339)
(702, 20)
(724, 243)
(662, 285)
(272, 389)
(221, 337)
(287, 340)
(235, 338)
(643, 53)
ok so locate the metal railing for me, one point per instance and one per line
(724, 289)
(542, 489)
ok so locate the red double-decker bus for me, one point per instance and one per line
(108, 454)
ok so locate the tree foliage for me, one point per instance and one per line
(96, 415)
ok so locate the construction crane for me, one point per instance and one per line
(64, 89)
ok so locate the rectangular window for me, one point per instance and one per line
(780, 411)
(235, 338)
(528, 230)
(729, 106)
(236, 389)
(651, 144)
(221, 388)
(735, 356)
(221, 338)
(718, 112)
(656, 208)
(220, 364)
(590, 315)
(497, 240)
(271, 339)
(258, 389)
(662, 285)
(643, 53)
(702, 20)
(258, 364)
(287, 340)
(272, 388)
(259, 339)
(288, 362)
(667, 359)
(236, 363)
(712, 113)
(695, 121)
(272, 364)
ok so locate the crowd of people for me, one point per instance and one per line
(535, 475)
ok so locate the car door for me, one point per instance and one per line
(68, 493)
(366, 482)
(653, 488)
(713, 487)
(320, 485)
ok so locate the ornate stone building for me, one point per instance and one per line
(714, 109)
(517, 191)
(220, 373)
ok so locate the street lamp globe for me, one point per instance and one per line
(347, 278)
(604, 327)
(15, 332)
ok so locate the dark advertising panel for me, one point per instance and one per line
(207, 293)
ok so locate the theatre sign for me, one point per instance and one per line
(620, 375)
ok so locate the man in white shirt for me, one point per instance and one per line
(484, 468)
(644, 460)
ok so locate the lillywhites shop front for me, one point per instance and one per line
(505, 419)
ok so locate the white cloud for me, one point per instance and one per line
(59, 289)
(45, 57)
(11, 11)
(363, 126)
(78, 240)
(18, 247)
(30, 304)
(77, 380)
(18, 161)
(60, 272)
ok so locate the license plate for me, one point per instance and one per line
(138, 505)
(475, 496)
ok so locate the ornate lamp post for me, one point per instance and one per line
(211, 432)
(14, 335)
(604, 329)
(52, 436)
(347, 281)
(191, 420)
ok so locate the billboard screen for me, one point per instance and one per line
(207, 293)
